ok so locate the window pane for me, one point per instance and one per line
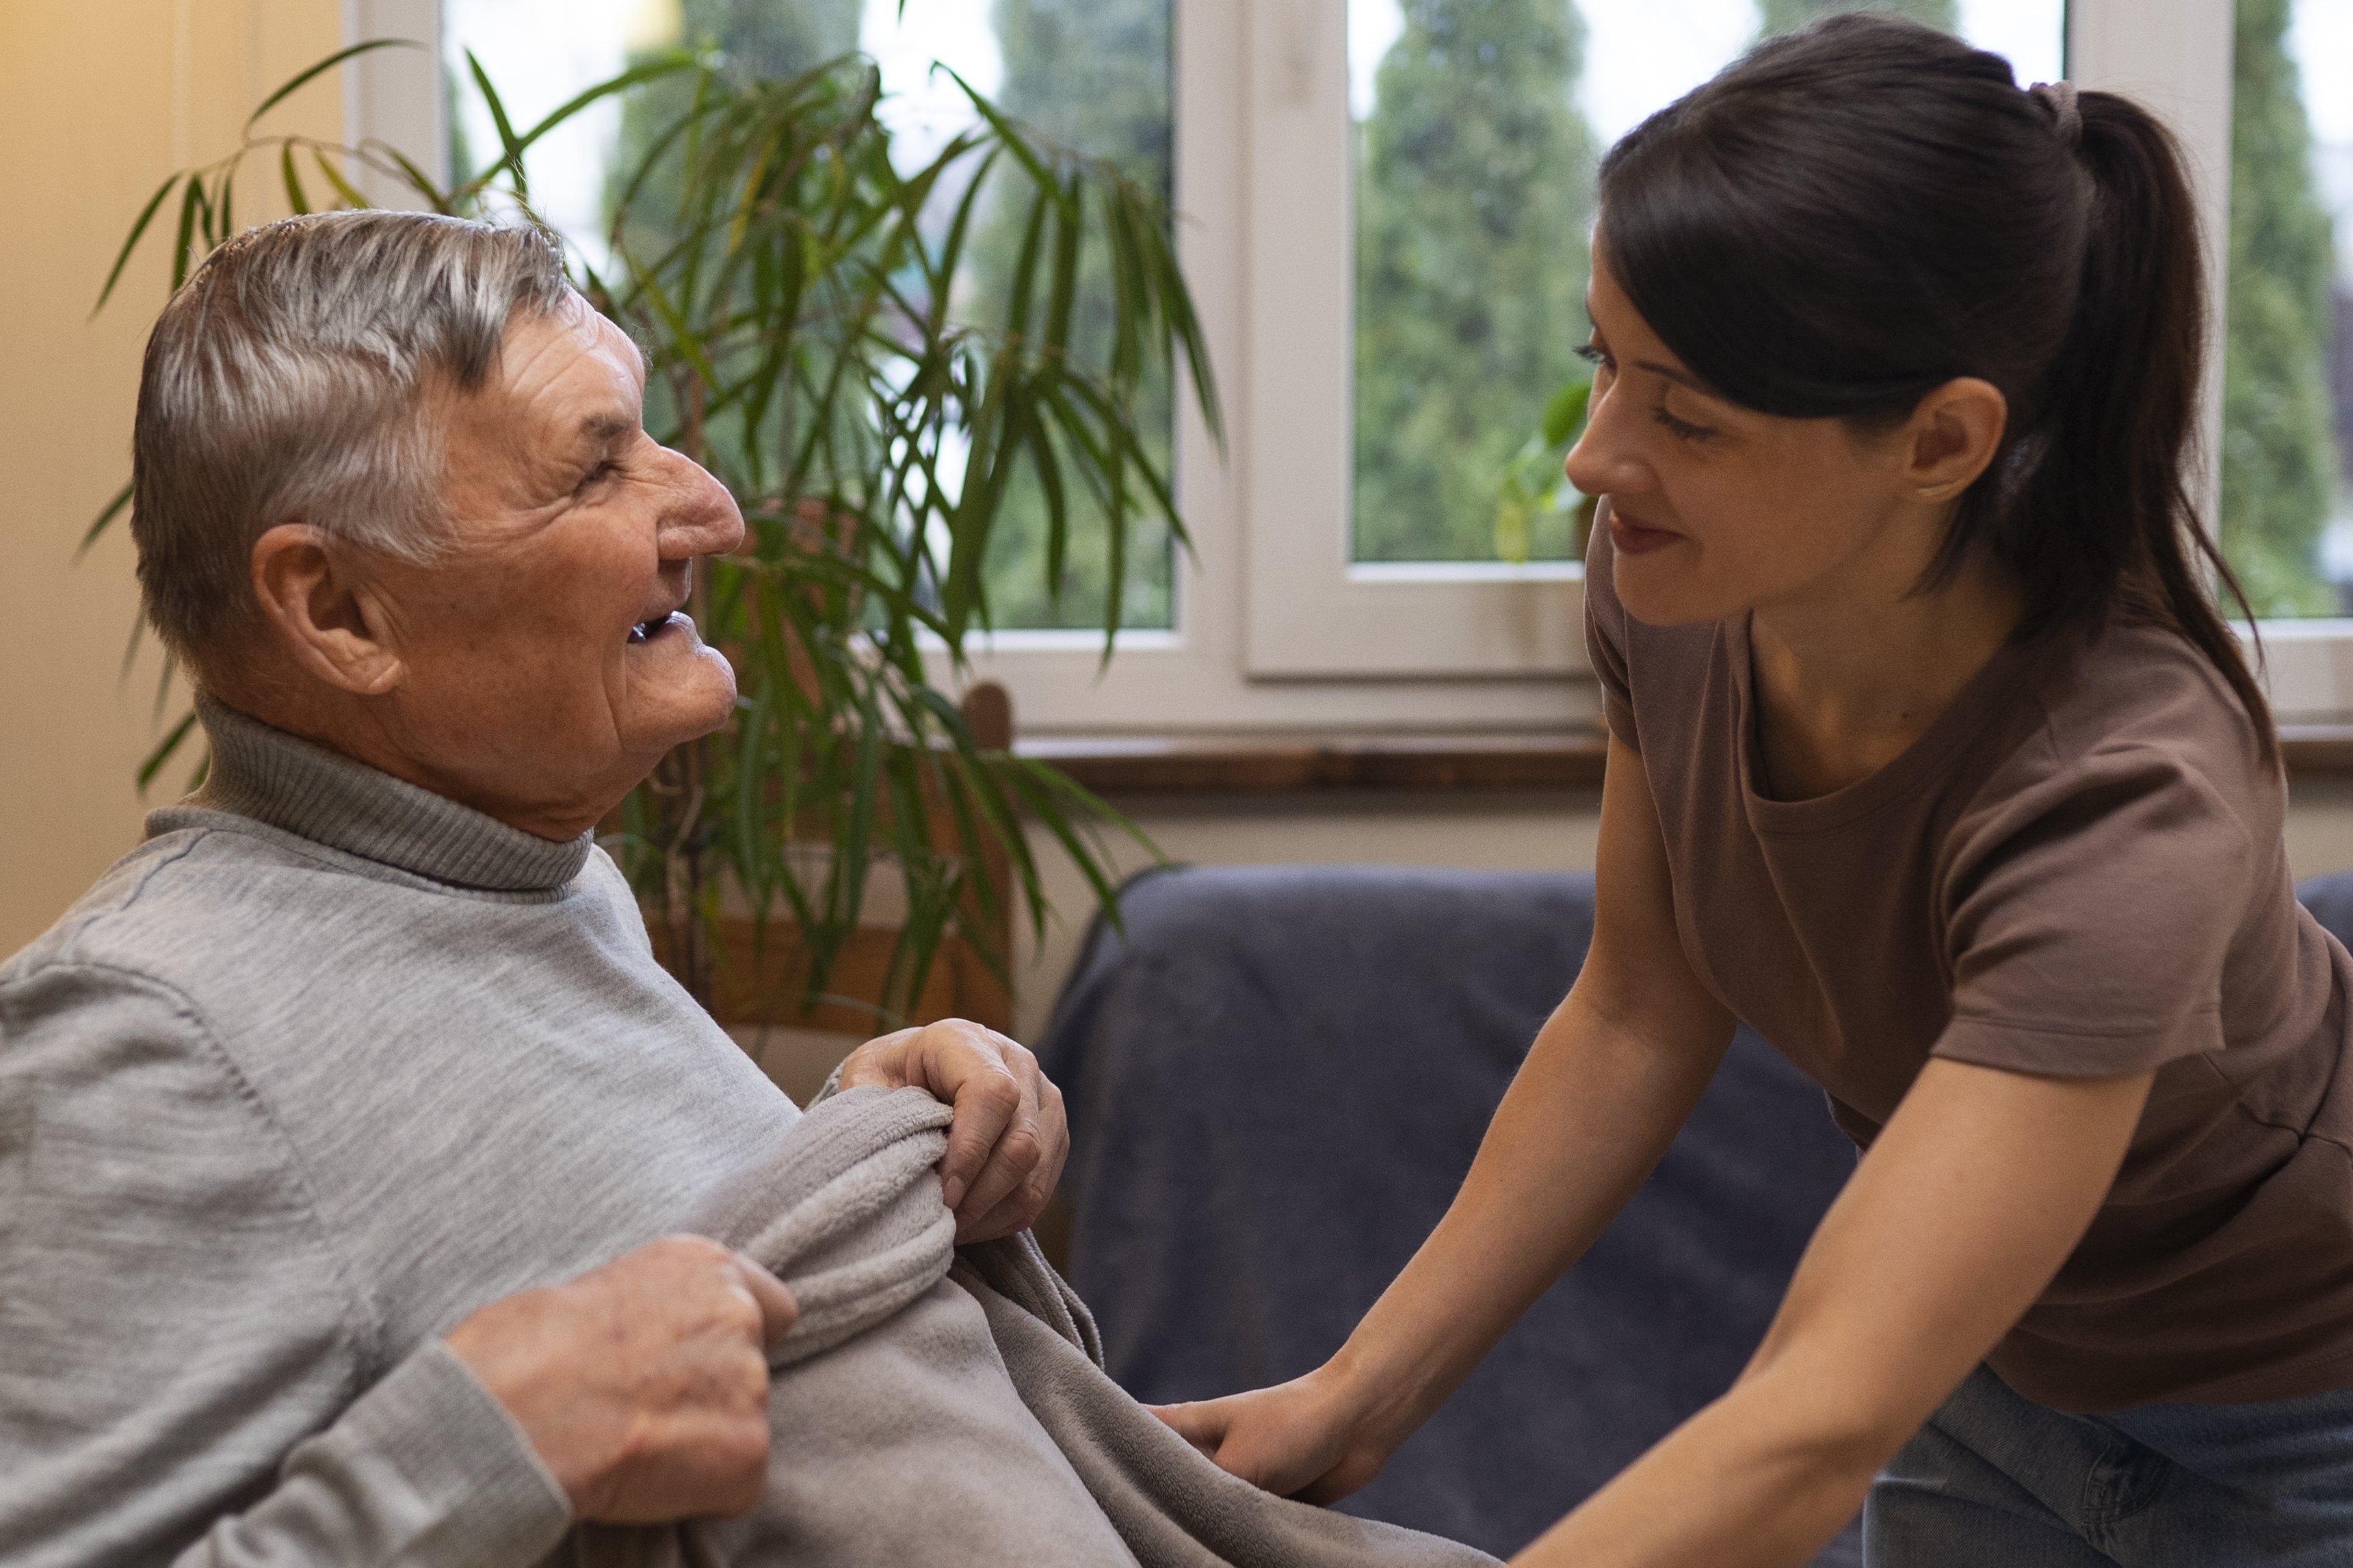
(2288, 403)
(1094, 75)
(1478, 127)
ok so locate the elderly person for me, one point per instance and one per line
(339, 1121)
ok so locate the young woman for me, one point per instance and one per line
(1930, 759)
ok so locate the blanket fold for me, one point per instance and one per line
(934, 1405)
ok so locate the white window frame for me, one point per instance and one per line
(394, 96)
(1251, 609)
(1276, 629)
(2174, 56)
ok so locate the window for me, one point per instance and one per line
(1478, 125)
(2284, 382)
(2288, 401)
(1440, 154)
(1336, 163)
(1095, 76)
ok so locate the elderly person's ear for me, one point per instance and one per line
(322, 611)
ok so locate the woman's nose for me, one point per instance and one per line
(1602, 463)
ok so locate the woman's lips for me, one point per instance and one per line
(1632, 539)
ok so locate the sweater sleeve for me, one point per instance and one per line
(185, 1357)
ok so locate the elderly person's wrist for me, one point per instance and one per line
(470, 1477)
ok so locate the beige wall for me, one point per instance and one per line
(99, 100)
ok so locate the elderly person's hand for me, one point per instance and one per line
(1010, 1138)
(642, 1384)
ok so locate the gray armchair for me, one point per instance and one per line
(1277, 1079)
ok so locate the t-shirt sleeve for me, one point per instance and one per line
(2090, 916)
(1605, 630)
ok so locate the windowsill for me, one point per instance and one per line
(1563, 760)
(2317, 750)
(1275, 764)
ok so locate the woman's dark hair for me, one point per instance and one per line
(1853, 215)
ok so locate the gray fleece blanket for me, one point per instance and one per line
(932, 1406)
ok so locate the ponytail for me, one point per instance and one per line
(1853, 215)
(2104, 521)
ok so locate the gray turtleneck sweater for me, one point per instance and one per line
(324, 1065)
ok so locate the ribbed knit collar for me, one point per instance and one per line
(302, 788)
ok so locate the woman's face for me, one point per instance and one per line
(1716, 509)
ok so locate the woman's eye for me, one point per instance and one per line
(1593, 355)
(1684, 429)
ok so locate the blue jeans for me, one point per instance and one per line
(1996, 1480)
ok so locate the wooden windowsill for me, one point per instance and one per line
(1277, 764)
(1561, 760)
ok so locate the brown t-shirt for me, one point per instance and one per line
(2077, 870)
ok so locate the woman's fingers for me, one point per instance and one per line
(1202, 1425)
(1292, 1439)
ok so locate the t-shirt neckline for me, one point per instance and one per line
(1925, 759)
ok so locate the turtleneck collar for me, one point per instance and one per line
(299, 787)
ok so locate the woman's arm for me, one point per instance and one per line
(1611, 1077)
(1980, 1186)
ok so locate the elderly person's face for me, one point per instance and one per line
(535, 669)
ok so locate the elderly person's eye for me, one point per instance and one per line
(602, 470)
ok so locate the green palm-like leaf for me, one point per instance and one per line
(803, 306)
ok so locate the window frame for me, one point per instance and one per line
(1275, 630)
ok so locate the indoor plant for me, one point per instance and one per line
(793, 289)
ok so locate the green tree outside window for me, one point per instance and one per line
(1788, 16)
(1474, 198)
(2279, 465)
(1095, 76)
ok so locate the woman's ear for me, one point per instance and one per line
(324, 612)
(1951, 437)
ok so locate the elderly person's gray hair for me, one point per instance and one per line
(288, 382)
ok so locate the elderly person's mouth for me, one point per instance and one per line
(675, 623)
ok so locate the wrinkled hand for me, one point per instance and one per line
(642, 1384)
(1298, 1439)
(1008, 1140)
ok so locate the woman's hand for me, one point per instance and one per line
(1611, 1076)
(1305, 1438)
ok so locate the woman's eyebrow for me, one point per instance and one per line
(1680, 377)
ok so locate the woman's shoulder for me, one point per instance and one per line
(2133, 722)
(2143, 688)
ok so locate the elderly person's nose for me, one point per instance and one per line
(702, 518)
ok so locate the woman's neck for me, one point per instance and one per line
(1844, 687)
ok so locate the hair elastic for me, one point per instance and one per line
(2066, 118)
